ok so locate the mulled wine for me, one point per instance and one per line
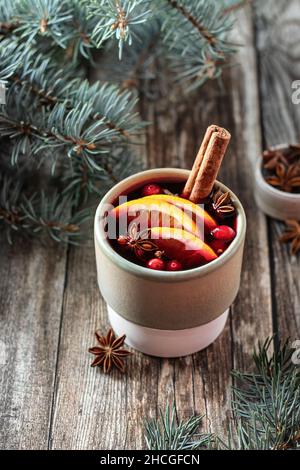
(156, 227)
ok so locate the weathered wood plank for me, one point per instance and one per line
(279, 66)
(93, 410)
(83, 395)
(252, 311)
(31, 291)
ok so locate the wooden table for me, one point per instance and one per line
(49, 300)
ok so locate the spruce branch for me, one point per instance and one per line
(164, 433)
(47, 86)
(80, 181)
(265, 409)
(136, 70)
(195, 35)
(76, 131)
(7, 22)
(37, 214)
(52, 23)
(110, 104)
(48, 18)
(236, 5)
(266, 403)
(207, 35)
(117, 18)
(81, 42)
(11, 56)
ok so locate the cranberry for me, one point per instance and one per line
(174, 265)
(156, 263)
(151, 189)
(223, 232)
(219, 246)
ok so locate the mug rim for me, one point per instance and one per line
(144, 272)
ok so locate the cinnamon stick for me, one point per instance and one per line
(210, 163)
(198, 160)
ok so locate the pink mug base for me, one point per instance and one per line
(167, 343)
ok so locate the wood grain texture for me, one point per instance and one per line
(278, 40)
(50, 396)
(252, 311)
(31, 292)
(94, 410)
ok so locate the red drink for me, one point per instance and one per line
(158, 229)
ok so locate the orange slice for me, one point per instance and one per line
(183, 246)
(153, 213)
(200, 215)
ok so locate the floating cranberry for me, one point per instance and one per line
(156, 263)
(219, 246)
(174, 265)
(223, 232)
(122, 240)
(151, 189)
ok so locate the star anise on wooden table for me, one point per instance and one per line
(222, 203)
(109, 353)
(286, 178)
(292, 235)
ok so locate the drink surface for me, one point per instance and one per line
(154, 227)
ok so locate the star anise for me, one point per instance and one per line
(294, 151)
(292, 235)
(136, 240)
(297, 168)
(110, 352)
(285, 178)
(271, 158)
(222, 203)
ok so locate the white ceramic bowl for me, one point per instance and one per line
(273, 202)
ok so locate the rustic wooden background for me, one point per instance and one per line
(50, 304)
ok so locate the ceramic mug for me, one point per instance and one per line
(167, 314)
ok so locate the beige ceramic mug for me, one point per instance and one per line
(162, 313)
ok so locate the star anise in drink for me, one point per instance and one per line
(137, 241)
(222, 203)
(292, 235)
(286, 178)
(110, 352)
